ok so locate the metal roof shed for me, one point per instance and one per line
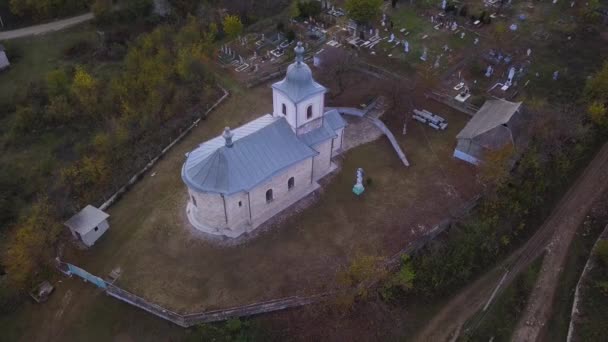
(88, 225)
(495, 125)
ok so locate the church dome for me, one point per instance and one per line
(298, 83)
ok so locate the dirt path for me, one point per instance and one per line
(554, 236)
(539, 305)
(45, 28)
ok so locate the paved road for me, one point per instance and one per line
(45, 28)
(561, 225)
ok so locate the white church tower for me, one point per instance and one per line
(298, 97)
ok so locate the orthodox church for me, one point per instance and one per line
(244, 177)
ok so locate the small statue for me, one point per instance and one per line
(358, 189)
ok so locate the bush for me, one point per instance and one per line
(290, 35)
(78, 49)
(25, 120)
(602, 286)
(309, 8)
(602, 252)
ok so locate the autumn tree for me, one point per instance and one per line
(86, 178)
(336, 63)
(31, 244)
(362, 11)
(57, 82)
(496, 166)
(598, 114)
(596, 94)
(232, 26)
(84, 88)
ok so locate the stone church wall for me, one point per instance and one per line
(301, 173)
(337, 144)
(209, 208)
(237, 207)
(322, 161)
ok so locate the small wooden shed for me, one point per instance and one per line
(88, 225)
(4, 63)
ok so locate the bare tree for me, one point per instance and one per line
(335, 64)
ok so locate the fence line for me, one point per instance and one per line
(152, 162)
(466, 108)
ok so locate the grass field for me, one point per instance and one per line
(162, 261)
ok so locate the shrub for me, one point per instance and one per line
(603, 286)
(309, 9)
(78, 49)
(290, 35)
(602, 252)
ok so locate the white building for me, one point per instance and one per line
(88, 225)
(244, 177)
(4, 63)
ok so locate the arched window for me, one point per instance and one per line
(290, 183)
(269, 196)
(309, 112)
(194, 201)
(284, 109)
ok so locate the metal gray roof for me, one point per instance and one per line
(260, 149)
(318, 135)
(493, 113)
(87, 219)
(334, 119)
(298, 83)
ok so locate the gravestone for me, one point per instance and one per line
(436, 65)
(424, 54)
(406, 46)
(489, 71)
(555, 75)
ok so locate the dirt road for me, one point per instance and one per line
(45, 28)
(566, 222)
(554, 236)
